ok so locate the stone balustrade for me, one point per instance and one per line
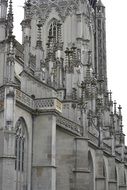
(51, 104)
(24, 99)
(93, 138)
(41, 104)
(48, 104)
(69, 125)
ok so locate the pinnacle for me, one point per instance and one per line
(10, 17)
(99, 3)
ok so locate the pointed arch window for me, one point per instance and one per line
(55, 30)
(21, 141)
(19, 148)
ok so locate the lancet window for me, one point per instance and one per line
(53, 30)
(21, 157)
(19, 148)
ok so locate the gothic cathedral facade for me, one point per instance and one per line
(59, 127)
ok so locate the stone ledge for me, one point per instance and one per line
(112, 181)
(81, 170)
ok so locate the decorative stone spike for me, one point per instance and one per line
(39, 41)
(120, 108)
(10, 19)
(28, 8)
(110, 96)
(115, 103)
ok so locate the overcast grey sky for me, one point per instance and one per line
(116, 15)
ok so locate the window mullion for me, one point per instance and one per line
(21, 141)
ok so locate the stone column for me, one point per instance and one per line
(81, 165)
(7, 141)
(69, 79)
(44, 153)
(121, 175)
(26, 28)
(112, 184)
(100, 171)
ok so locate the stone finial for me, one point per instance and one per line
(39, 41)
(99, 3)
(110, 96)
(11, 40)
(28, 3)
(115, 103)
(28, 8)
(112, 122)
(120, 108)
(11, 45)
(10, 60)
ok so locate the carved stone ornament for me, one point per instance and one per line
(42, 8)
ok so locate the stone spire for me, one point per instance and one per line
(10, 19)
(10, 60)
(99, 3)
(26, 29)
(39, 41)
(27, 9)
(11, 39)
(39, 54)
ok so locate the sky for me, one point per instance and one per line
(116, 28)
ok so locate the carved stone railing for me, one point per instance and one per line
(69, 125)
(118, 155)
(48, 104)
(107, 148)
(51, 104)
(38, 104)
(93, 138)
(24, 99)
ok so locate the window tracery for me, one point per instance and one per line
(21, 154)
(19, 148)
(53, 30)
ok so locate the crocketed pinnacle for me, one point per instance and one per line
(10, 18)
(39, 41)
(28, 3)
(27, 8)
(99, 3)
